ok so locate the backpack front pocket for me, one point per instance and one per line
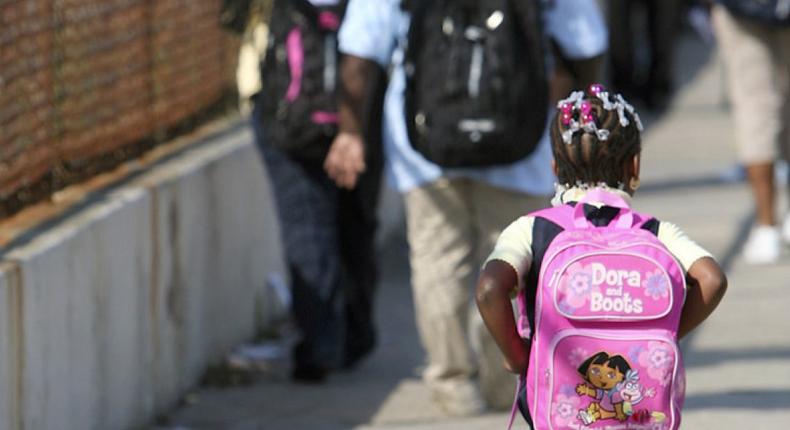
(613, 286)
(624, 380)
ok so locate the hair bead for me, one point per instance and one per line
(600, 157)
(586, 114)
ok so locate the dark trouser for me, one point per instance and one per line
(328, 238)
(662, 27)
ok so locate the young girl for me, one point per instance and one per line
(596, 147)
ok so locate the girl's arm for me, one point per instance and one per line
(705, 288)
(496, 282)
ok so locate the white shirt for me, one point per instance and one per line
(514, 245)
(373, 29)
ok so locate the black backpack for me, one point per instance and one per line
(775, 12)
(234, 14)
(300, 78)
(476, 85)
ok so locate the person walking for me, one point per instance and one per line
(596, 342)
(327, 231)
(453, 214)
(754, 40)
(651, 82)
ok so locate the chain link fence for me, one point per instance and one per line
(86, 84)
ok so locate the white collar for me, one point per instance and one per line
(564, 195)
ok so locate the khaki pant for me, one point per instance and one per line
(757, 64)
(453, 225)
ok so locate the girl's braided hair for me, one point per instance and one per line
(592, 143)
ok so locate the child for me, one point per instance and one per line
(596, 147)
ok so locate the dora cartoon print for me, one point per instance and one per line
(633, 392)
(603, 375)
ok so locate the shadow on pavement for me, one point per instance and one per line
(711, 357)
(353, 398)
(767, 399)
(348, 399)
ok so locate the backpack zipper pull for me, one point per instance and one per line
(330, 63)
(475, 35)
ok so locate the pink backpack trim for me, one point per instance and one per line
(324, 117)
(295, 52)
(329, 20)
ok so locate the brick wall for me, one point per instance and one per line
(84, 80)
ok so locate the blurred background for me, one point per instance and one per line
(142, 282)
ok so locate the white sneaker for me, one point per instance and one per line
(764, 245)
(786, 229)
(458, 397)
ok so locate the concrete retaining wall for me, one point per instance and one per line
(111, 313)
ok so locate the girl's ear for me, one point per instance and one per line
(554, 166)
(631, 170)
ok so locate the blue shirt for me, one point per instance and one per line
(374, 30)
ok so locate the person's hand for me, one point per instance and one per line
(345, 161)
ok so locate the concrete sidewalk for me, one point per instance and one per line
(738, 363)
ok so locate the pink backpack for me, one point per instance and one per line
(607, 308)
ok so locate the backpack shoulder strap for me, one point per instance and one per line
(563, 216)
(317, 15)
(305, 8)
(649, 223)
(559, 215)
(547, 225)
(416, 10)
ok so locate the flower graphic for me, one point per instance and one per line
(567, 390)
(575, 286)
(564, 410)
(634, 351)
(656, 285)
(565, 308)
(580, 283)
(577, 356)
(659, 359)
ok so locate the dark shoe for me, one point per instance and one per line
(357, 351)
(305, 370)
(309, 375)
(360, 342)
